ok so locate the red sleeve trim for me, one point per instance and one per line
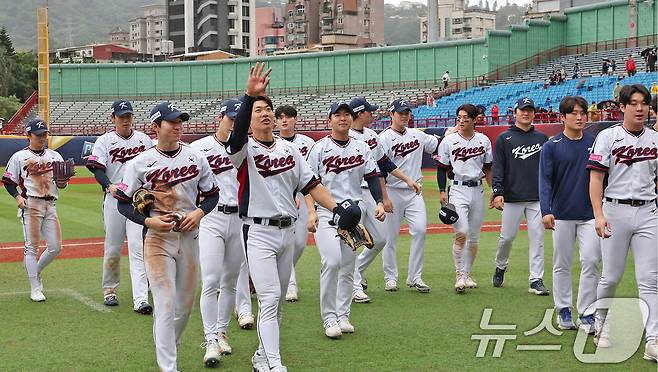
(372, 175)
(311, 184)
(212, 191)
(95, 164)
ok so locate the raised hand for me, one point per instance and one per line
(258, 81)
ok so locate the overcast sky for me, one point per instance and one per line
(518, 2)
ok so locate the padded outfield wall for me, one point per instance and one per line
(392, 65)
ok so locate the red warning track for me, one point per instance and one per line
(93, 247)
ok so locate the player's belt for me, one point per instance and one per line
(467, 183)
(631, 202)
(49, 198)
(227, 209)
(278, 222)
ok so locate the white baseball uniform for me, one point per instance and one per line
(269, 178)
(342, 168)
(111, 153)
(631, 164)
(376, 228)
(32, 171)
(220, 243)
(171, 258)
(406, 151)
(304, 144)
(467, 157)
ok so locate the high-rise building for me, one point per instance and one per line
(270, 32)
(455, 22)
(149, 31)
(120, 36)
(228, 25)
(310, 22)
(542, 8)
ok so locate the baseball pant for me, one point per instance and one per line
(377, 230)
(221, 257)
(405, 204)
(172, 261)
(634, 228)
(40, 218)
(512, 214)
(117, 227)
(269, 256)
(301, 237)
(243, 292)
(336, 271)
(564, 241)
(469, 203)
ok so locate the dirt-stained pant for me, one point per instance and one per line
(40, 218)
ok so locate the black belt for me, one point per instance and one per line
(467, 183)
(631, 202)
(278, 222)
(49, 198)
(227, 209)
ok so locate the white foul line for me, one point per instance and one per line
(65, 245)
(71, 293)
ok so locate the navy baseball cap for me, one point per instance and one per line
(230, 108)
(336, 106)
(525, 103)
(122, 107)
(167, 111)
(359, 104)
(399, 105)
(36, 126)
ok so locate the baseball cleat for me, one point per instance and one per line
(246, 320)
(144, 308)
(499, 277)
(420, 286)
(345, 326)
(222, 342)
(601, 335)
(212, 356)
(468, 280)
(360, 297)
(36, 295)
(279, 369)
(259, 363)
(364, 284)
(291, 295)
(537, 287)
(391, 285)
(651, 350)
(110, 300)
(586, 323)
(460, 285)
(564, 320)
(332, 330)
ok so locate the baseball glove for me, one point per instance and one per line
(356, 237)
(63, 170)
(143, 201)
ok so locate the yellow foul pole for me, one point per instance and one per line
(43, 63)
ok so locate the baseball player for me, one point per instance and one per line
(108, 160)
(31, 169)
(220, 246)
(563, 180)
(342, 163)
(177, 176)
(270, 172)
(468, 154)
(363, 117)
(625, 210)
(516, 192)
(405, 147)
(286, 119)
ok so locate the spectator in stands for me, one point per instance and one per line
(581, 83)
(446, 80)
(654, 88)
(494, 114)
(552, 115)
(630, 66)
(481, 119)
(510, 115)
(616, 91)
(651, 61)
(605, 67)
(391, 97)
(553, 79)
(593, 112)
(612, 68)
(576, 71)
(563, 75)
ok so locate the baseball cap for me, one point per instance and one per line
(359, 104)
(122, 107)
(336, 106)
(399, 105)
(524, 103)
(36, 126)
(167, 111)
(230, 107)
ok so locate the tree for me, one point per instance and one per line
(9, 106)
(5, 42)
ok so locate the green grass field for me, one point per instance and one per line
(403, 331)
